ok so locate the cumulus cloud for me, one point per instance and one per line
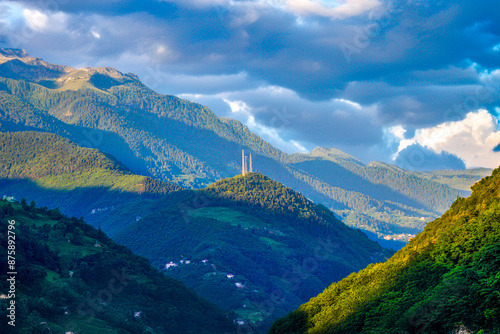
(293, 123)
(332, 9)
(199, 3)
(472, 139)
(35, 19)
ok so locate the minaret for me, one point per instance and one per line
(250, 163)
(246, 165)
(243, 162)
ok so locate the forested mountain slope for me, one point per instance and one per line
(81, 181)
(251, 245)
(73, 278)
(182, 142)
(270, 238)
(445, 279)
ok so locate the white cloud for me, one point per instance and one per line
(199, 3)
(354, 104)
(339, 10)
(35, 19)
(95, 33)
(334, 9)
(267, 133)
(272, 135)
(238, 106)
(398, 131)
(471, 139)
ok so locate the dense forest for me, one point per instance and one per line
(184, 143)
(268, 236)
(72, 278)
(445, 280)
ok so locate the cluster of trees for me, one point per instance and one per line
(257, 190)
(445, 278)
(56, 279)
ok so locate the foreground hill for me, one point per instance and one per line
(445, 279)
(186, 144)
(235, 242)
(250, 245)
(73, 278)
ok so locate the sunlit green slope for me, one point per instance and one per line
(445, 278)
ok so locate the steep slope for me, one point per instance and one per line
(73, 278)
(185, 143)
(445, 279)
(84, 182)
(269, 237)
(250, 245)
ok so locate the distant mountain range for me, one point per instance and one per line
(236, 242)
(446, 280)
(182, 142)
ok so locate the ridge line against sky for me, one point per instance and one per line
(415, 82)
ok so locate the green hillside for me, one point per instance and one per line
(272, 239)
(81, 181)
(73, 278)
(444, 280)
(266, 235)
(186, 144)
(54, 162)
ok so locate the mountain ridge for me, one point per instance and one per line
(185, 143)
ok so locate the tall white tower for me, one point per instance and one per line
(243, 162)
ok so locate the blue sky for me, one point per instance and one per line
(415, 82)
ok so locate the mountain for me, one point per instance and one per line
(382, 198)
(246, 239)
(71, 277)
(446, 280)
(237, 242)
(81, 181)
(184, 143)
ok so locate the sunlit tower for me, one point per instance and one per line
(246, 163)
(243, 162)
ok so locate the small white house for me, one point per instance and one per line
(171, 265)
(9, 199)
